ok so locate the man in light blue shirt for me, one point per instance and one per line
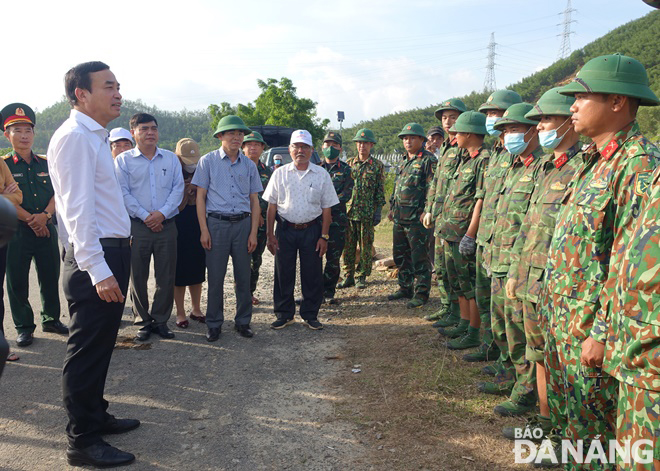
(228, 210)
(152, 185)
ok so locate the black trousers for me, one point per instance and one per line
(291, 243)
(92, 335)
(4, 346)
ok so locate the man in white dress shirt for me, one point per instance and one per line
(97, 262)
(300, 195)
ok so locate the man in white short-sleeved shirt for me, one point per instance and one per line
(300, 195)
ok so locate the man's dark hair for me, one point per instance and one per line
(141, 118)
(78, 77)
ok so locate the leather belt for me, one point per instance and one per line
(231, 217)
(116, 242)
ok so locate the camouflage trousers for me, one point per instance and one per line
(411, 256)
(534, 333)
(638, 418)
(460, 270)
(444, 287)
(507, 373)
(331, 271)
(582, 400)
(516, 340)
(482, 295)
(359, 233)
(256, 259)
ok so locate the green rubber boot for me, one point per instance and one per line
(490, 370)
(553, 441)
(455, 332)
(347, 283)
(522, 406)
(496, 389)
(469, 340)
(416, 302)
(361, 282)
(485, 353)
(439, 314)
(537, 429)
(451, 319)
(399, 294)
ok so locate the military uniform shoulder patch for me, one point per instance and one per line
(642, 183)
(42, 156)
(598, 183)
(5, 157)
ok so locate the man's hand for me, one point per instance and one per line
(37, 222)
(468, 246)
(272, 244)
(378, 215)
(154, 219)
(427, 220)
(261, 220)
(11, 188)
(593, 353)
(390, 216)
(322, 246)
(205, 239)
(510, 288)
(108, 290)
(252, 243)
(157, 228)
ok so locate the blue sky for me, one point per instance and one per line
(367, 58)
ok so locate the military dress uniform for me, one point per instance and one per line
(257, 255)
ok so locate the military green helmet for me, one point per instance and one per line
(552, 103)
(333, 136)
(613, 74)
(453, 104)
(17, 113)
(365, 135)
(500, 100)
(470, 121)
(254, 136)
(412, 129)
(515, 114)
(231, 123)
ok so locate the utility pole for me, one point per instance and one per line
(489, 82)
(565, 48)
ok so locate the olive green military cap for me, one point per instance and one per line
(470, 121)
(17, 113)
(500, 100)
(412, 129)
(254, 136)
(551, 103)
(515, 114)
(333, 136)
(365, 135)
(613, 74)
(231, 123)
(453, 104)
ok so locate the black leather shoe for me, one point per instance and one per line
(100, 454)
(24, 339)
(213, 334)
(163, 331)
(244, 331)
(143, 334)
(115, 426)
(55, 327)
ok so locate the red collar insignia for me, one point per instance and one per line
(15, 158)
(475, 153)
(453, 141)
(610, 149)
(529, 160)
(561, 160)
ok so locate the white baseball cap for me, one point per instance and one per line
(301, 136)
(117, 134)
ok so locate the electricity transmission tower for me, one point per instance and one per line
(489, 82)
(565, 48)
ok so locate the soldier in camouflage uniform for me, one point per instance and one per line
(253, 146)
(343, 182)
(460, 217)
(521, 141)
(364, 209)
(409, 236)
(530, 250)
(489, 193)
(585, 257)
(447, 113)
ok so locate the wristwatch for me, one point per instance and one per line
(325, 237)
(48, 215)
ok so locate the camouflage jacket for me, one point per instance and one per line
(456, 214)
(368, 190)
(264, 174)
(598, 213)
(489, 191)
(512, 206)
(530, 250)
(413, 178)
(445, 170)
(632, 350)
(343, 183)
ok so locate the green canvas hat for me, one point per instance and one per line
(365, 135)
(500, 100)
(470, 121)
(613, 74)
(412, 129)
(17, 113)
(452, 104)
(515, 114)
(254, 136)
(551, 103)
(231, 123)
(333, 136)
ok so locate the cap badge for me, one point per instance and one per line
(20, 112)
(409, 128)
(506, 113)
(362, 134)
(447, 103)
(490, 98)
(332, 134)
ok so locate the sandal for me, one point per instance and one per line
(13, 357)
(182, 324)
(201, 319)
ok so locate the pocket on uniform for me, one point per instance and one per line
(313, 196)
(592, 210)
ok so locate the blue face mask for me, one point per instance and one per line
(515, 142)
(549, 139)
(490, 122)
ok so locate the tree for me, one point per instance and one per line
(279, 105)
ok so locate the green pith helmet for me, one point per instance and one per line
(17, 113)
(515, 114)
(412, 129)
(613, 74)
(333, 136)
(470, 121)
(254, 136)
(552, 103)
(365, 135)
(500, 100)
(231, 123)
(453, 104)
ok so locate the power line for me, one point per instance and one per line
(489, 82)
(565, 48)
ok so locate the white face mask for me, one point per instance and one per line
(190, 168)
